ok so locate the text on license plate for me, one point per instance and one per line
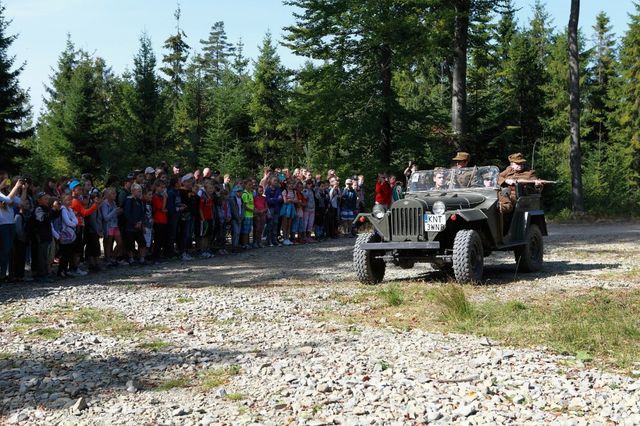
(434, 222)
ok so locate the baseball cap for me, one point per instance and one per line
(149, 171)
(73, 183)
(40, 195)
(186, 177)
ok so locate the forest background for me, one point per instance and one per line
(376, 92)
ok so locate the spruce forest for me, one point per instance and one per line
(386, 81)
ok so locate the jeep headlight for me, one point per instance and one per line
(438, 207)
(378, 211)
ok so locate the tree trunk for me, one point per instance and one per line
(459, 72)
(386, 148)
(575, 156)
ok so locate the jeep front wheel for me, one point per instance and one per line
(369, 270)
(529, 257)
(468, 259)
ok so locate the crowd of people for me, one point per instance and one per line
(68, 227)
(163, 213)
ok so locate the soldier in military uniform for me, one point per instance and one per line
(517, 171)
(463, 178)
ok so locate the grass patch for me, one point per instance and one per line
(5, 355)
(178, 382)
(217, 377)
(46, 333)
(28, 320)
(600, 326)
(184, 300)
(392, 295)
(155, 345)
(453, 302)
(6, 315)
(235, 396)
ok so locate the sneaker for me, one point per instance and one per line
(287, 243)
(73, 274)
(185, 256)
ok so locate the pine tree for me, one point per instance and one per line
(146, 106)
(175, 61)
(624, 153)
(268, 102)
(216, 53)
(14, 102)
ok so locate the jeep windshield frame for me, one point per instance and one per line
(454, 179)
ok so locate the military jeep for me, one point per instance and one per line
(451, 219)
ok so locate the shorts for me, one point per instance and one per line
(347, 214)
(288, 210)
(113, 232)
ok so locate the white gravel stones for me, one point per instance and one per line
(291, 368)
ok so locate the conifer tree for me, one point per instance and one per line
(175, 61)
(216, 53)
(268, 101)
(14, 107)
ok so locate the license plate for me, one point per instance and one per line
(434, 222)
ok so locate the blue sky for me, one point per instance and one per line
(111, 28)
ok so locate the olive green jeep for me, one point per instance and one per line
(451, 219)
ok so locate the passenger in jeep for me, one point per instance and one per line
(517, 171)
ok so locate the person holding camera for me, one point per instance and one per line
(412, 167)
(7, 221)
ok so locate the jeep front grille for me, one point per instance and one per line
(406, 222)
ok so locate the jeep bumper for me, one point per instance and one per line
(407, 245)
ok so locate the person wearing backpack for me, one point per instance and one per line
(68, 224)
(43, 236)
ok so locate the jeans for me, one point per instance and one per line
(235, 233)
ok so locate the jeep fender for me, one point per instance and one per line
(381, 226)
(480, 221)
(535, 217)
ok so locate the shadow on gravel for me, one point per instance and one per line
(271, 266)
(55, 379)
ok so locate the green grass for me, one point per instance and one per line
(235, 396)
(184, 300)
(600, 326)
(175, 383)
(155, 345)
(5, 355)
(6, 315)
(453, 301)
(392, 295)
(46, 333)
(213, 378)
(28, 320)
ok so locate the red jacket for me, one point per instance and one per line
(383, 193)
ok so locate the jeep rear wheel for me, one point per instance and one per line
(530, 257)
(369, 270)
(468, 259)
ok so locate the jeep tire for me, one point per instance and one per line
(530, 256)
(468, 258)
(369, 270)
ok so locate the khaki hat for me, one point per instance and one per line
(517, 158)
(461, 156)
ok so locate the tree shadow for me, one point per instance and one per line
(271, 266)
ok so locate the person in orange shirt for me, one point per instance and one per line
(81, 210)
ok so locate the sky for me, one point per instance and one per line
(111, 28)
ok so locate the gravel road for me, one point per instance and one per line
(237, 340)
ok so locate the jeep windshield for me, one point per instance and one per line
(441, 179)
